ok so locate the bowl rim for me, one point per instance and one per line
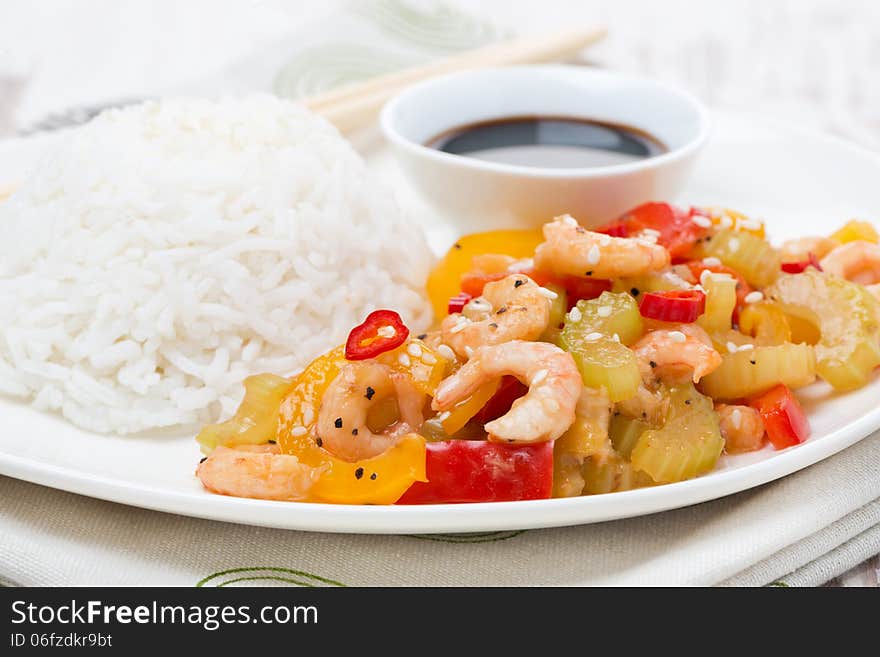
(389, 129)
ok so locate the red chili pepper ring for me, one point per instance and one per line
(673, 305)
(382, 331)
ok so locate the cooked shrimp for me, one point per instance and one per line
(685, 352)
(545, 412)
(647, 404)
(586, 438)
(342, 419)
(573, 250)
(799, 249)
(258, 471)
(741, 427)
(857, 261)
(514, 308)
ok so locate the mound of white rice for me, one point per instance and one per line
(166, 251)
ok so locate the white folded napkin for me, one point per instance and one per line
(801, 530)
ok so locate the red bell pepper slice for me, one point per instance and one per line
(458, 302)
(381, 331)
(682, 306)
(577, 288)
(461, 471)
(798, 267)
(677, 232)
(784, 419)
(508, 392)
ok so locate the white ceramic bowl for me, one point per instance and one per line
(481, 195)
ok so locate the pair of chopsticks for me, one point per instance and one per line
(355, 105)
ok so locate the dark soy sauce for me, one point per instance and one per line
(549, 141)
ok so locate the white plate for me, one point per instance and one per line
(805, 183)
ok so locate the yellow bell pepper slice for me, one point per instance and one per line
(444, 281)
(343, 482)
(463, 411)
(855, 230)
(379, 480)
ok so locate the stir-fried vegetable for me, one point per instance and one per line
(256, 420)
(855, 230)
(721, 301)
(688, 444)
(847, 318)
(751, 256)
(750, 372)
(783, 417)
(381, 331)
(479, 471)
(680, 306)
(444, 282)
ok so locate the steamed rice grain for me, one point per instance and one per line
(164, 252)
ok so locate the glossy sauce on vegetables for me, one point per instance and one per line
(549, 141)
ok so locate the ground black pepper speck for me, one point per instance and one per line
(518, 282)
(358, 473)
(354, 432)
(203, 459)
(373, 476)
(318, 441)
(338, 423)
(422, 336)
(370, 393)
(652, 364)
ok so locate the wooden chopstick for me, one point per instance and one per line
(355, 105)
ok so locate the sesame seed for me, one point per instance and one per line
(460, 326)
(593, 255)
(604, 311)
(712, 262)
(754, 297)
(544, 292)
(589, 337)
(469, 351)
(446, 351)
(443, 416)
(540, 375)
(733, 244)
(701, 221)
(338, 423)
(386, 332)
(745, 347)
(308, 415)
(677, 336)
(615, 337)
(568, 220)
(404, 360)
(299, 431)
(479, 305)
(736, 418)
(428, 359)
(731, 347)
(726, 221)
(575, 314)
(414, 350)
